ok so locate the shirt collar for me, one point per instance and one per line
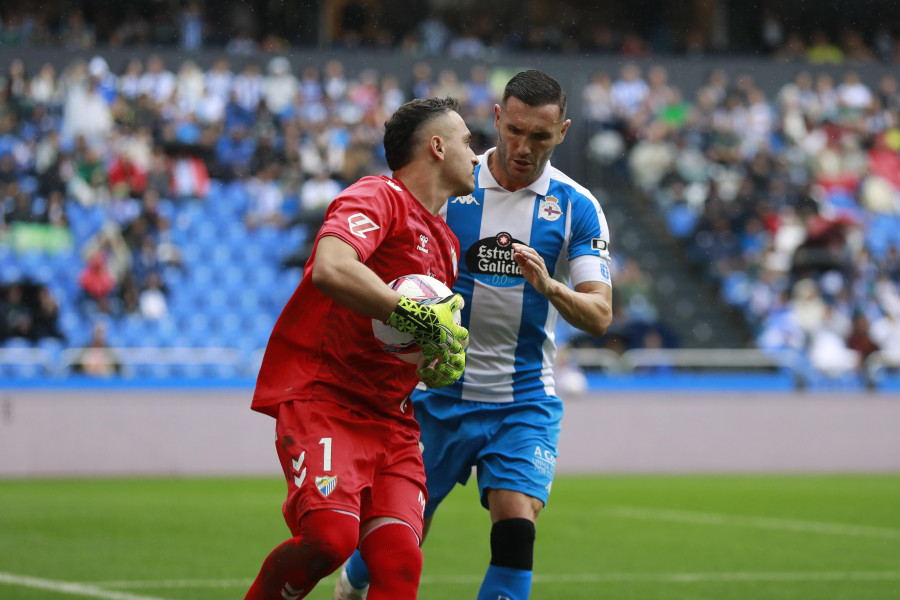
(486, 180)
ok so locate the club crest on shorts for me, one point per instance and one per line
(326, 484)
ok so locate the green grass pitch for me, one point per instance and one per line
(617, 537)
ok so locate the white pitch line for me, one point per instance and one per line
(750, 577)
(704, 518)
(68, 587)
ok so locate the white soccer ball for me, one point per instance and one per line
(400, 344)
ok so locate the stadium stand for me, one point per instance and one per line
(768, 186)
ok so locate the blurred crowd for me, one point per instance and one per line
(130, 146)
(791, 203)
(88, 141)
(430, 28)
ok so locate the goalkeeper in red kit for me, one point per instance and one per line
(346, 436)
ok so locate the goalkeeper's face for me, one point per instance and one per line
(460, 160)
(527, 137)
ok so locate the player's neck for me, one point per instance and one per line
(501, 177)
(425, 189)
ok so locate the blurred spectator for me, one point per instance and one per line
(280, 86)
(126, 178)
(76, 33)
(248, 90)
(234, 151)
(860, 339)
(45, 323)
(134, 30)
(822, 50)
(266, 198)
(152, 299)
(157, 82)
(86, 111)
(88, 183)
(97, 359)
(189, 176)
(45, 88)
(885, 332)
(191, 26)
(158, 177)
(17, 316)
(97, 282)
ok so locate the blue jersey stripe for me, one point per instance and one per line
(547, 237)
(466, 224)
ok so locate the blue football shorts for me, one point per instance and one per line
(513, 445)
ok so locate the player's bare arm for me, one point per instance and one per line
(588, 307)
(339, 274)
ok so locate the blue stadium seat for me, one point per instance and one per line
(16, 342)
(54, 346)
(26, 371)
(736, 288)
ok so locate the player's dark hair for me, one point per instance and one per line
(536, 88)
(401, 129)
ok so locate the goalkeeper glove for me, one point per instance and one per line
(437, 374)
(432, 327)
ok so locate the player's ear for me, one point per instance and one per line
(436, 145)
(562, 131)
(497, 110)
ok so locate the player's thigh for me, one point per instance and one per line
(521, 455)
(328, 455)
(451, 440)
(398, 488)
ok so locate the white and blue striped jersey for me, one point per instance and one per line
(511, 344)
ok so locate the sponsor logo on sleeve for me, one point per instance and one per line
(360, 224)
(599, 245)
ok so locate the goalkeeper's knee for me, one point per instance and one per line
(512, 544)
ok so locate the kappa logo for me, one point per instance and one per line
(470, 199)
(422, 501)
(423, 239)
(549, 209)
(326, 484)
(360, 224)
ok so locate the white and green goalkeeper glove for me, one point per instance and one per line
(432, 327)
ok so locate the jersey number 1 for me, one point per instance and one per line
(326, 459)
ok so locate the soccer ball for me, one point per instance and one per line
(396, 342)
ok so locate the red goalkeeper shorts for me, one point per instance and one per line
(338, 459)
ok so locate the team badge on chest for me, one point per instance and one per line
(326, 484)
(549, 209)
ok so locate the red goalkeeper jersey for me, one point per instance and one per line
(320, 349)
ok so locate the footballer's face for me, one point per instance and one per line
(527, 136)
(460, 158)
